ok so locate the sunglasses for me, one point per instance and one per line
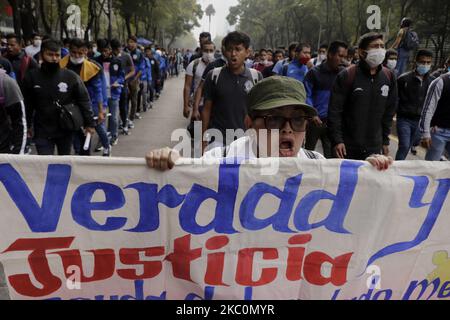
(298, 124)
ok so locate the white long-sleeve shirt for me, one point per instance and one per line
(431, 103)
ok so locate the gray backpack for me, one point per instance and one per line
(218, 71)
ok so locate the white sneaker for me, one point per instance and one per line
(108, 152)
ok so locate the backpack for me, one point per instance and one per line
(410, 41)
(217, 71)
(194, 71)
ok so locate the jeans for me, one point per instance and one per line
(46, 146)
(79, 140)
(114, 120)
(313, 135)
(151, 90)
(408, 134)
(403, 61)
(134, 92)
(440, 142)
(123, 105)
(143, 96)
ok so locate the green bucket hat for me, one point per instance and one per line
(276, 92)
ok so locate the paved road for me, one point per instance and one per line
(156, 127)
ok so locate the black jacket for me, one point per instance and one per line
(156, 74)
(18, 64)
(361, 113)
(42, 89)
(412, 93)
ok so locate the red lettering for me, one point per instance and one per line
(313, 266)
(131, 257)
(40, 269)
(104, 264)
(296, 256)
(244, 273)
(216, 261)
(182, 257)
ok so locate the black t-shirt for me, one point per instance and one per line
(229, 99)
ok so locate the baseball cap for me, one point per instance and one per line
(276, 92)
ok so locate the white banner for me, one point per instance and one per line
(88, 228)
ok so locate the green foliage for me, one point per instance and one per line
(273, 23)
(163, 21)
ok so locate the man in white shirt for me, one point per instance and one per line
(277, 109)
(194, 73)
(35, 47)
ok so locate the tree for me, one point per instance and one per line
(272, 23)
(210, 11)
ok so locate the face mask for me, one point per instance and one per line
(391, 64)
(375, 57)
(304, 60)
(37, 43)
(423, 69)
(208, 57)
(77, 61)
(322, 57)
(94, 50)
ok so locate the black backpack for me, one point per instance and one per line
(411, 41)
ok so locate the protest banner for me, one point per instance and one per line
(75, 228)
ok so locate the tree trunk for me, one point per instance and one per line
(28, 20)
(92, 15)
(15, 5)
(45, 23)
(128, 24)
(62, 21)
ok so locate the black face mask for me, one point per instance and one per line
(49, 67)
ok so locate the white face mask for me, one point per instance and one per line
(375, 57)
(208, 57)
(322, 57)
(391, 64)
(77, 61)
(37, 43)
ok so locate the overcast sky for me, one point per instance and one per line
(219, 24)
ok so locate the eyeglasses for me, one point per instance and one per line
(298, 124)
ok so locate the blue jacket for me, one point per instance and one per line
(116, 74)
(295, 70)
(138, 60)
(147, 74)
(162, 63)
(91, 73)
(318, 83)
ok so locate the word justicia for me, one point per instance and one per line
(298, 264)
(45, 218)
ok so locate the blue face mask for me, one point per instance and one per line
(423, 69)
